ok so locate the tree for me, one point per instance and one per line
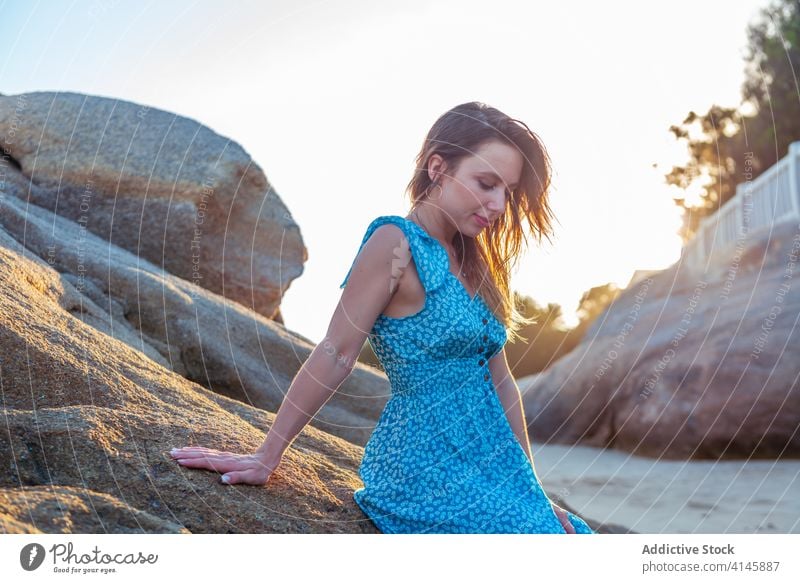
(767, 121)
(595, 301)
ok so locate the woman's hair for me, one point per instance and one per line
(487, 259)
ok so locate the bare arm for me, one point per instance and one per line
(316, 381)
(369, 288)
(511, 399)
(371, 284)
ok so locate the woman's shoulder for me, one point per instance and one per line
(384, 242)
(383, 228)
(394, 227)
(398, 239)
(397, 220)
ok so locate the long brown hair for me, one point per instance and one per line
(487, 259)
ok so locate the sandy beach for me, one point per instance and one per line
(668, 496)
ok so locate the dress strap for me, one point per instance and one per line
(429, 257)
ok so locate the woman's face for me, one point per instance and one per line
(477, 193)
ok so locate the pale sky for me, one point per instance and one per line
(333, 100)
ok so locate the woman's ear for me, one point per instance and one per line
(435, 167)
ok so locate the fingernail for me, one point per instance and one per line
(226, 479)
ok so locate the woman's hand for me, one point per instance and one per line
(562, 516)
(236, 468)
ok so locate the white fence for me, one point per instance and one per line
(771, 198)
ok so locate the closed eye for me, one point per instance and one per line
(488, 187)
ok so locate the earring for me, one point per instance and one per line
(430, 196)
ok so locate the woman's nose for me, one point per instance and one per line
(497, 201)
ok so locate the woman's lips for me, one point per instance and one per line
(480, 220)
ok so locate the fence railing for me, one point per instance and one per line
(758, 204)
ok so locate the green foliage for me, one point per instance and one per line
(767, 121)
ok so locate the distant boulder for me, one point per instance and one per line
(163, 186)
(686, 365)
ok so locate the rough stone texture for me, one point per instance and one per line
(197, 334)
(685, 365)
(163, 186)
(69, 510)
(84, 409)
(107, 360)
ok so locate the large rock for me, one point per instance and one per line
(89, 420)
(196, 333)
(82, 409)
(95, 343)
(686, 365)
(68, 510)
(163, 186)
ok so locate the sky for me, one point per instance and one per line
(333, 100)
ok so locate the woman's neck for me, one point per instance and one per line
(436, 226)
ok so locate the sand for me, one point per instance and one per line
(667, 496)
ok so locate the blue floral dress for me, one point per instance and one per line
(443, 457)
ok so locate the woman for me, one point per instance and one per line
(450, 452)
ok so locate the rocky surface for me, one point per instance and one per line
(90, 401)
(197, 334)
(686, 365)
(160, 185)
(68, 510)
(83, 408)
(112, 353)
